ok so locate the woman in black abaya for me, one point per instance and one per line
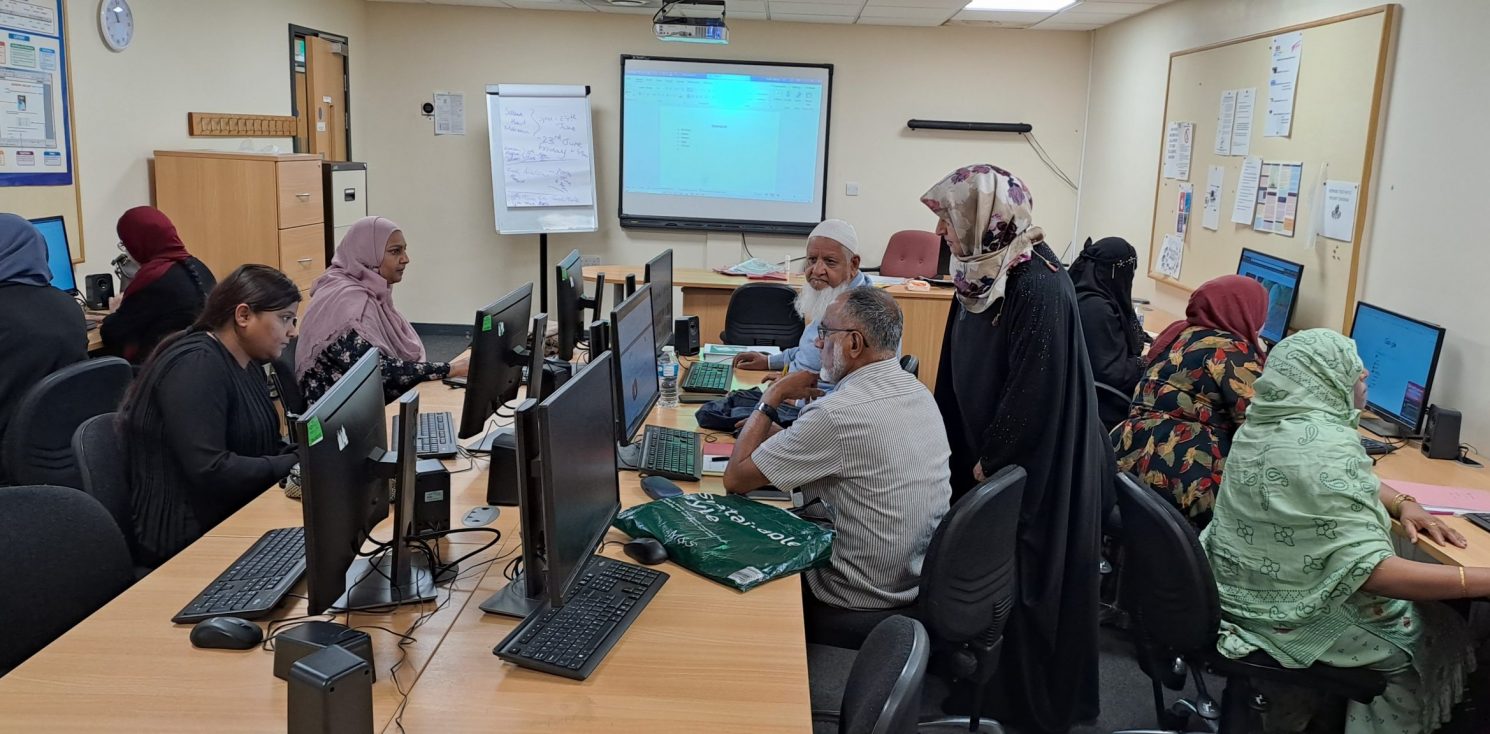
(1103, 276)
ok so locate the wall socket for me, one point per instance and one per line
(586, 261)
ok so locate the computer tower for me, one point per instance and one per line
(1441, 433)
(431, 497)
(685, 335)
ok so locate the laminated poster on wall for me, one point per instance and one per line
(1278, 187)
(1287, 51)
(1182, 209)
(1211, 206)
(1171, 256)
(1179, 140)
(35, 135)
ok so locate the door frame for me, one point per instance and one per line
(300, 30)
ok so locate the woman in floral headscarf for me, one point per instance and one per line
(1015, 388)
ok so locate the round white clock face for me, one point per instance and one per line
(117, 23)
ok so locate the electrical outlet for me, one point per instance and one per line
(586, 261)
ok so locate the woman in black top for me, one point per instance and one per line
(42, 329)
(166, 294)
(201, 432)
(1103, 276)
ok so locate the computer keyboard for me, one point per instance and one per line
(710, 377)
(436, 439)
(1375, 448)
(255, 583)
(673, 453)
(572, 640)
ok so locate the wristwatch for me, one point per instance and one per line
(770, 412)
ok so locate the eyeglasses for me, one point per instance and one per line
(823, 332)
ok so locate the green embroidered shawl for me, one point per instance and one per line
(1298, 523)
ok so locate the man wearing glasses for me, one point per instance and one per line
(849, 449)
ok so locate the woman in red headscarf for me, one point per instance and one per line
(1194, 393)
(167, 293)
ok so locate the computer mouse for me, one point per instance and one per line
(660, 487)
(646, 551)
(226, 633)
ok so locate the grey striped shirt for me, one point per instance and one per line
(876, 450)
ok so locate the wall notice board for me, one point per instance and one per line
(1338, 105)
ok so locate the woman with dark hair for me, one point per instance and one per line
(1103, 276)
(201, 433)
(1194, 395)
(166, 294)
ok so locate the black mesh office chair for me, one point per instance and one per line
(1171, 595)
(910, 364)
(284, 372)
(105, 474)
(763, 314)
(882, 694)
(1112, 405)
(38, 443)
(64, 558)
(967, 590)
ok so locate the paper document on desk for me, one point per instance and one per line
(1442, 500)
(727, 352)
(883, 281)
(753, 266)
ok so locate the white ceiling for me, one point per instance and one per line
(1081, 16)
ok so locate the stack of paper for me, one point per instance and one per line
(1441, 500)
(727, 352)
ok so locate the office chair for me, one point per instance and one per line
(910, 364)
(1112, 405)
(284, 370)
(763, 314)
(911, 253)
(38, 443)
(883, 692)
(64, 558)
(967, 589)
(104, 471)
(1176, 612)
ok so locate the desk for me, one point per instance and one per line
(700, 657)
(706, 295)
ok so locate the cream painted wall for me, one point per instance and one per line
(439, 189)
(187, 56)
(1426, 255)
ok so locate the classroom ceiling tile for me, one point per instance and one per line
(814, 8)
(633, 7)
(1002, 18)
(793, 18)
(744, 6)
(1051, 25)
(1114, 8)
(884, 12)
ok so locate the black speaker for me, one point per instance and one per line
(330, 693)
(1441, 433)
(431, 497)
(685, 336)
(501, 473)
(98, 289)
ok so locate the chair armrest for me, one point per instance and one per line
(874, 269)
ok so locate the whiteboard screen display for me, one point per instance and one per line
(723, 145)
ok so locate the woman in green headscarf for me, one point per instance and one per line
(1302, 549)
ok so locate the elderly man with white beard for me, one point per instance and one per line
(832, 269)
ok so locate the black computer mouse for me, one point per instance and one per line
(646, 551)
(226, 633)
(659, 487)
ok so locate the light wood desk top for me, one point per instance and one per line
(700, 657)
(705, 278)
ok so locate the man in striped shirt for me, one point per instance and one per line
(875, 451)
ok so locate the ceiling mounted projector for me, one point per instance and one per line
(691, 21)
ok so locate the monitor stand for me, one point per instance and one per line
(370, 585)
(629, 456)
(513, 599)
(484, 446)
(1383, 428)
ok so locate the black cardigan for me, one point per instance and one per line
(164, 307)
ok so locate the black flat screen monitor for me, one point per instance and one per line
(59, 256)
(636, 363)
(498, 338)
(1281, 280)
(536, 337)
(1401, 354)
(659, 275)
(570, 302)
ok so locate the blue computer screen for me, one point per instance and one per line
(1281, 279)
(58, 258)
(1399, 353)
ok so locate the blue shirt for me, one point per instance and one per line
(806, 356)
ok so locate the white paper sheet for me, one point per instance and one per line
(1287, 50)
(1241, 126)
(1171, 256)
(1339, 210)
(1246, 190)
(546, 152)
(1183, 207)
(1211, 218)
(1179, 140)
(1278, 189)
(450, 113)
(1225, 119)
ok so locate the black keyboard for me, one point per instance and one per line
(572, 640)
(436, 439)
(1374, 447)
(1480, 519)
(709, 377)
(673, 453)
(255, 583)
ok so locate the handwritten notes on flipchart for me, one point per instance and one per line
(546, 151)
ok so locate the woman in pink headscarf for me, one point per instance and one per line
(351, 311)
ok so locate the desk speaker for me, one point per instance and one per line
(685, 336)
(431, 497)
(330, 693)
(1441, 433)
(98, 289)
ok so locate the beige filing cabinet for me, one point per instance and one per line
(234, 208)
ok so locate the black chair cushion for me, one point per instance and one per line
(883, 690)
(1359, 684)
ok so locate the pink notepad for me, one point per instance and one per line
(1442, 500)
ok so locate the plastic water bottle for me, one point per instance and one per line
(667, 378)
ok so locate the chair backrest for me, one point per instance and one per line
(911, 253)
(64, 558)
(38, 443)
(101, 465)
(1112, 405)
(284, 370)
(1167, 583)
(910, 364)
(763, 314)
(883, 692)
(968, 577)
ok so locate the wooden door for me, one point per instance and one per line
(326, 88)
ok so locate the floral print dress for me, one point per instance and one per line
(1184, 413)
(399, 376)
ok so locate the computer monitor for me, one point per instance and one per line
(1281, 280)
(1401, 354)
(660, 276)
(635, 371)
(59, 257)
(571, 302)
(344, 468)
(568, 488)
(499, 342)
(536, 336)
